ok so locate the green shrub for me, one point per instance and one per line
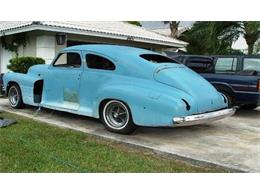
(22, 64)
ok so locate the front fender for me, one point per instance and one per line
(25, 82)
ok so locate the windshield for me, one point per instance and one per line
(252, 64)
(154, 58)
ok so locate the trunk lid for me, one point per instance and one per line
(183, 78)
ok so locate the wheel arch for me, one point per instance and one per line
(223, 87)
(226, 90)
(9, 84)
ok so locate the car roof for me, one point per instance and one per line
(110, 49)
(194, 56)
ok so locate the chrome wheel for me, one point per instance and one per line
(116, 114)
(13, 96)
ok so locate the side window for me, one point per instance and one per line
(69, 59)
(252, 64)
(98, 62)
(226, 65)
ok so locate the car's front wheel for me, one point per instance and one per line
(15, 96)
(116, 116)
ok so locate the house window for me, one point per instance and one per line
(98, 62)
(69, 59)
(226, 65)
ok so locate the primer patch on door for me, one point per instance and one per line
(70, 95)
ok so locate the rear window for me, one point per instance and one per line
(200, 65)
(154, 58)
(252, 64)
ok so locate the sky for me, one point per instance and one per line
(239, 44)
(159, 24)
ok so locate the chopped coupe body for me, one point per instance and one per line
(124, 86)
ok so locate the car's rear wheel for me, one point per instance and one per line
(15, 96)
(116, 116)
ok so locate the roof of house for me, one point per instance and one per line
(111, 49)
(112, 29)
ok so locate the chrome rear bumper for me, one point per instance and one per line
(203, 118)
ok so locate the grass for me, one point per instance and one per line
(31, 146)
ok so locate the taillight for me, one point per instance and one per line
(258, 85)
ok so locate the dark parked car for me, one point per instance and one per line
(238, 77)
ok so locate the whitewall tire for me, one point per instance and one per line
(15, 96)
(116, 116)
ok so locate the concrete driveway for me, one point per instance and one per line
(232, 142)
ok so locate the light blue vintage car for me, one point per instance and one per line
(124, 86)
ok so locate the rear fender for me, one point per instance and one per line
(148, 108)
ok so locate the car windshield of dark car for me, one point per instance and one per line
(154, 58)
(252, 64)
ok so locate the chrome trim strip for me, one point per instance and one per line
(235, 91)
(249, 92)
(243, 85)
(203, 118)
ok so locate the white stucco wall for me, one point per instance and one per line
(29, 50)
(45, 47)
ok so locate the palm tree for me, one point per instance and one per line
(257, 47)
(217, 37)
(211, 37)
(137, 23)
(251, 32)
(173, 27)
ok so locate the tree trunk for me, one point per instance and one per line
(250, 41)
(174, 28)
(250, 49)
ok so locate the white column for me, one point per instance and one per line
(45, 47)
(5, 56)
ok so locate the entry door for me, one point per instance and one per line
(64, 81)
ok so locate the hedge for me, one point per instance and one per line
(22, 64)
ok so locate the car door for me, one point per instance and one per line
(99, 69)
(63, 82)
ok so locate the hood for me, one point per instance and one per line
(38, 69)
(183, 78)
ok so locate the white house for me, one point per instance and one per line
(45, 38)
